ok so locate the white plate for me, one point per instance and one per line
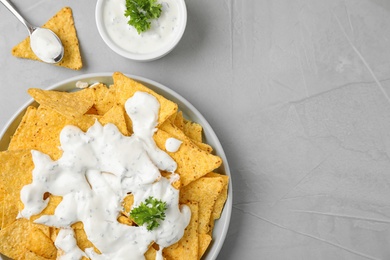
(189, 111)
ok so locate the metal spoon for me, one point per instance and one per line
(44, 43)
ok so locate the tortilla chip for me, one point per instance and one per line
(50, 208)
(220, 202)
(205, 191)
(14, 239)
(70, 105)
(127, 203)
(177, 133)
(179, 120)
(40, 130)
(188, 246)
(188, 168)
(151, 253)
(193, 130)
(204, 242)
(126, 87)
(116, 116)
(104, 98)
(81, 237)
(15, 172)
(40, 244)
(29, 255)
(61, 24)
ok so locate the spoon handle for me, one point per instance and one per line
(12, 9)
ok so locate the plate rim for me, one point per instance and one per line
(213, 251)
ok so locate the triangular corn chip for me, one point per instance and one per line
(126, 87)
(192, 162)
(71, 105)
(61, 24)
(188, 246)
(205, 191)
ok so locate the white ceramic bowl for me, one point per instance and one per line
(157, 53)
(189, 111)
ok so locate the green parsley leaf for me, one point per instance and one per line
(149, 212)
(141, 12)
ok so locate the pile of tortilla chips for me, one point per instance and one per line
(203, 190)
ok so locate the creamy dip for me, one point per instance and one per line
(172, 144)
(45, 45)
(97, 170)
(161, 33)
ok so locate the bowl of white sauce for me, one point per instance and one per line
(164, 34)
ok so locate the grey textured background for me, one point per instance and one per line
(298, 93)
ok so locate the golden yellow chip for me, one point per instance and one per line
(188, 246)
(14, 239)
(104, 98)
(128, 203)
(126, 87)
(116, 116)
(39, 130)
(15, 172)
(204, 242)
(220, 202)
(61, 24)
(50, 208)
(188, 168)
(40, 244)
(29, 255)
(179, 120)
(205, 191)
(151, 253)
(177, 133)
(193, 130)
(70, 105)
(81, 237)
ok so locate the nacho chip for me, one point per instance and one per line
(104, 98)
(29, 255)
(39, 243)
(193, 130)
(205, 191)
(70, 105)
(61, 24)
(127, 203)
(14, 239)
(15, 172)
(116, 116)
(81, 237)
(220, 202)
(126, 87)
(188, 246)
(179, 120)
(177, 133)
(188, 168)
(40, 130)
(204, 242)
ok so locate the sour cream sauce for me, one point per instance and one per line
(45, 45)
(97, 170)
(162, 30)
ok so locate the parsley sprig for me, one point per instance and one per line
(141, 12)
(149, 212)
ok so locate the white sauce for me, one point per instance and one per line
(172, 144)
(45, 45)
(162, 30)
(96, 171)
